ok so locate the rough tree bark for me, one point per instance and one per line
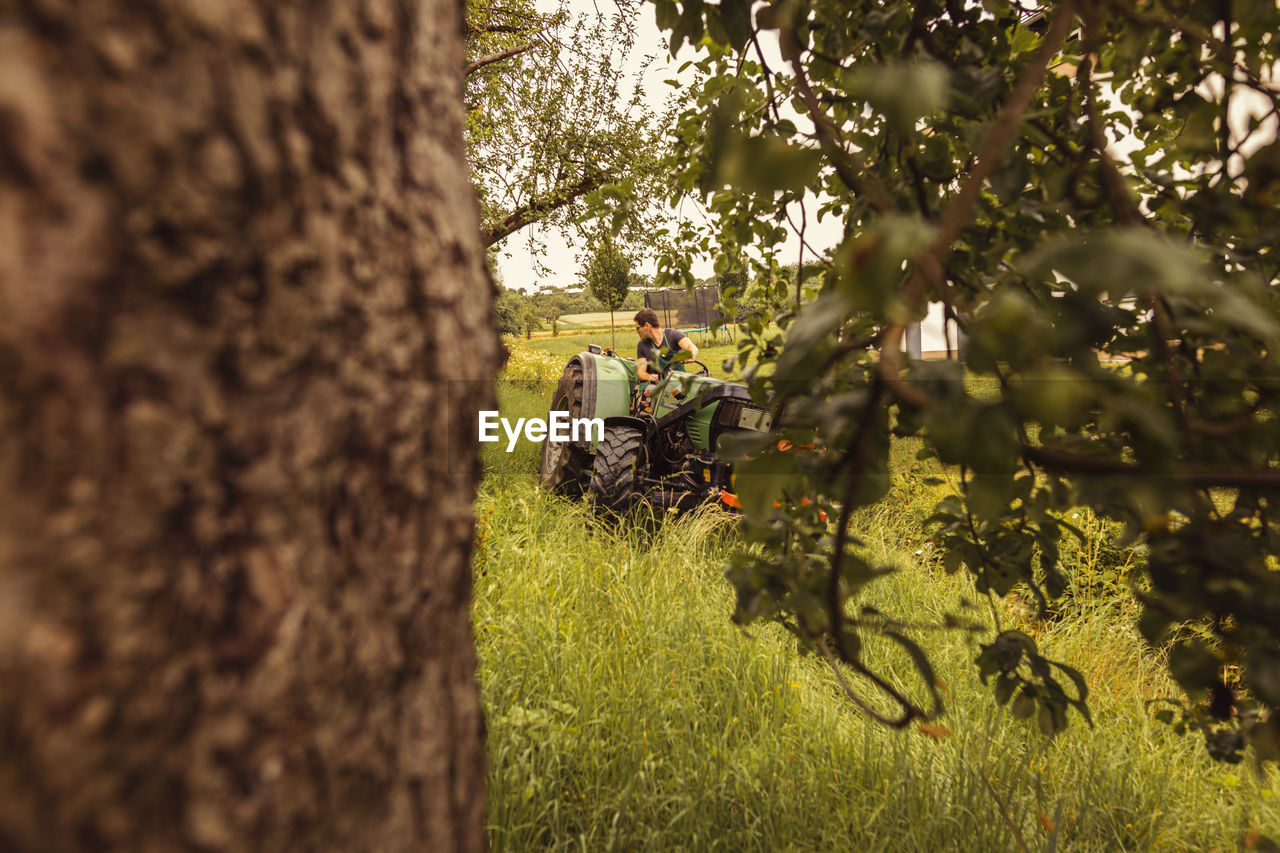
(240, 270)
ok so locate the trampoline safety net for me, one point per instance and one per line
(688, 310)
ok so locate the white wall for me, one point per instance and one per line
(931, 331)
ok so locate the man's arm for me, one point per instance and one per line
(642, 363)
(687, 344)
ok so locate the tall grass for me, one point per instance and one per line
(626, 712)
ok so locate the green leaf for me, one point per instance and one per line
(1193, 666)
(988, 495)
(1124, 260)
(737, 446)
(1053, 394)
(870, 267)
(810, 338)
(922, 665)
(1262, 672)
(735, 17)
(1012, 328)
(765, 480)
(1082, 690)
(1238, 311)
(1199, 132)
(666, 14)
(1045, 720)
(765, 164)
(1005, 686)
(903, 93)
(1022, 40)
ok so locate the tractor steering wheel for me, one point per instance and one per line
(703, 371)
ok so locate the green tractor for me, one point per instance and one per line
(659, 443)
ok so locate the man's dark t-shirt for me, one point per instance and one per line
(659, 357)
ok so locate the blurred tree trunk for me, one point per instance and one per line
(239, 257)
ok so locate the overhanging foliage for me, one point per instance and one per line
(1086, 191)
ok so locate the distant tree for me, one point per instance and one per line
(547, 306)
(515, 314)
(554, 120)
(608, 277)
(733, 279)
(635, 296)
(732, 284)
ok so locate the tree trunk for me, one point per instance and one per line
(240, 280)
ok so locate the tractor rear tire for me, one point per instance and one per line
(563, 465)
(622, 460)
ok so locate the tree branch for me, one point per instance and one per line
(497, 57)
(1128, 213)
(1195, 477)
(529, 213)
(909, 710)
(857, 456)
(1113, 182)
(768, 75)
(473, 30)
(847, 165)
(929, 265)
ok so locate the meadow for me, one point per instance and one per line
(626, 712)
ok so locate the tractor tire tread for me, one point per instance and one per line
(567, 478)
(613, 477)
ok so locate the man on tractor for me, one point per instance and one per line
(662, 448)
(654, 354)
(658, 346)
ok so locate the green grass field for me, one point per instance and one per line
(626, 712)
(597, 319)
(710, 351)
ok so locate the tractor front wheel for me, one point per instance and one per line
(621, 464)
(564, 464)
